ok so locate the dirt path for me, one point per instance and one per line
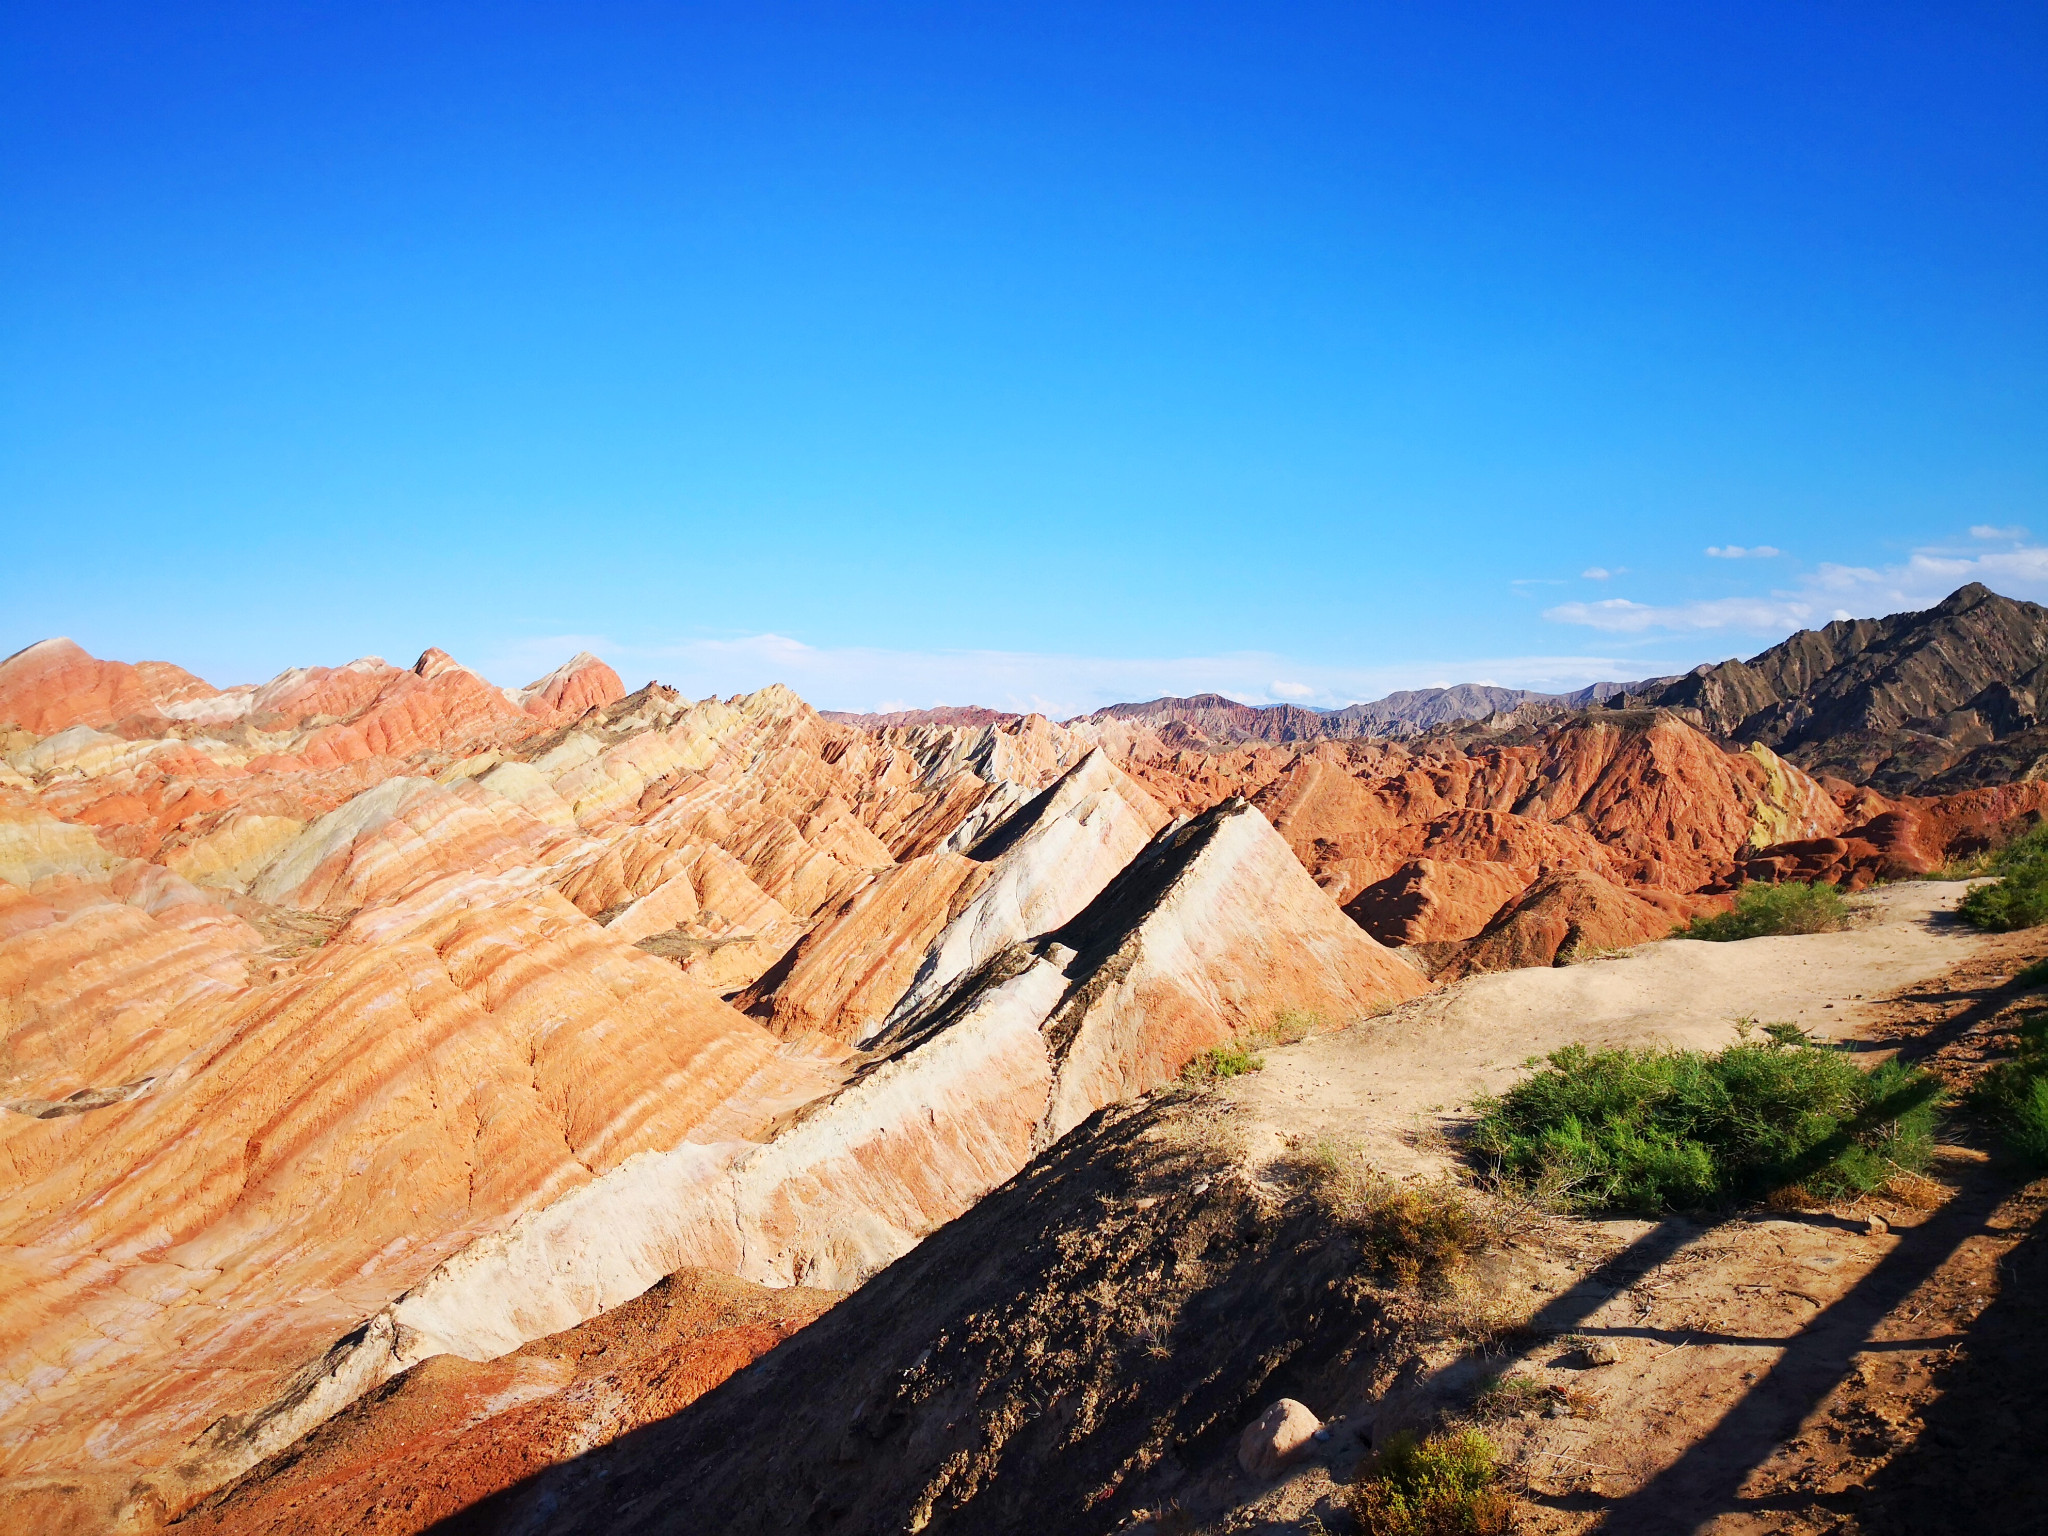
(1388, 1082)
(1781, 1372)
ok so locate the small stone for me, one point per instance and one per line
(1278, 1436)
(1875, 1226)
(1602, 1352)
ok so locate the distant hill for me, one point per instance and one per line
(1211, 718)
(1226, 722)
(944, 714)
(1945, 698)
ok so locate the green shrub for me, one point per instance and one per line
(2019, 897)
(2013, 1095)
(1658, 1130)
(1768, 909)
(1220, 1061)
(1442, 1486)
(2035, 975)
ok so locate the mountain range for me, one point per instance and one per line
(365, 1029)
(1944, 698)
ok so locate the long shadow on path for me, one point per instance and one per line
(1980, 1462)
(1707, 1480)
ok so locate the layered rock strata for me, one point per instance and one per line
(374, 1013)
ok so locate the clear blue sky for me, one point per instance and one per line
(1016, 354)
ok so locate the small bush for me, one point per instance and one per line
(2013, 1095)
(1292, 1024)
(1512, 1396)
(1221, 1061)
(1508, 1397)
(1442, 1486)
(2035, 975)
(1767, 909)
(1968, 866)
(1653, 1131)
(2019, 897)
(1414, 1234)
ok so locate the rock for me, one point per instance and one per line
(53, 684)
(1278, 1436)
(1434, 901)
(1875, 1226)
(580, 684)
(1559, 917)
(1602, 1352)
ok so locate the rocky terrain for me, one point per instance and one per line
(377, 1014)
(376, 1041)
(1941, 699)
(1216, 721)
(1081, 1351)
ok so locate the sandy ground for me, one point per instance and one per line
(1389, 1082)
(1789, 1371)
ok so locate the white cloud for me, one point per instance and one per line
(1828, 592)
(1596, 573)
(1986, 531)
(1620, 616)
(1737, 552)
(871, 678)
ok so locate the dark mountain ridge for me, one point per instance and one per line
(1945, 698)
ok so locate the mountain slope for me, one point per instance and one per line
(1891, 702)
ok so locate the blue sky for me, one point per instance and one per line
(1026, 355)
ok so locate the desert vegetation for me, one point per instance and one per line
(1416, 1235)
(1660, 1130)
(2013, 1096)
(1760, 910)
(1234, 1058)
(2018, 898)
(1220, 1061)
(1441, 1486)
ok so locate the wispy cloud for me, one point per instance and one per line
(1737, 552)
(1828, 592)
(1596, 573)
(1986, 531)
(1059, 685)
(1618, 615)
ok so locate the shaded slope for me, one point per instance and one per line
(1121, 1304)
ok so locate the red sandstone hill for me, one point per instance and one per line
(372, 1014)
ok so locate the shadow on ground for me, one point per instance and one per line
(1708, 1480)
(1979, 1466)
